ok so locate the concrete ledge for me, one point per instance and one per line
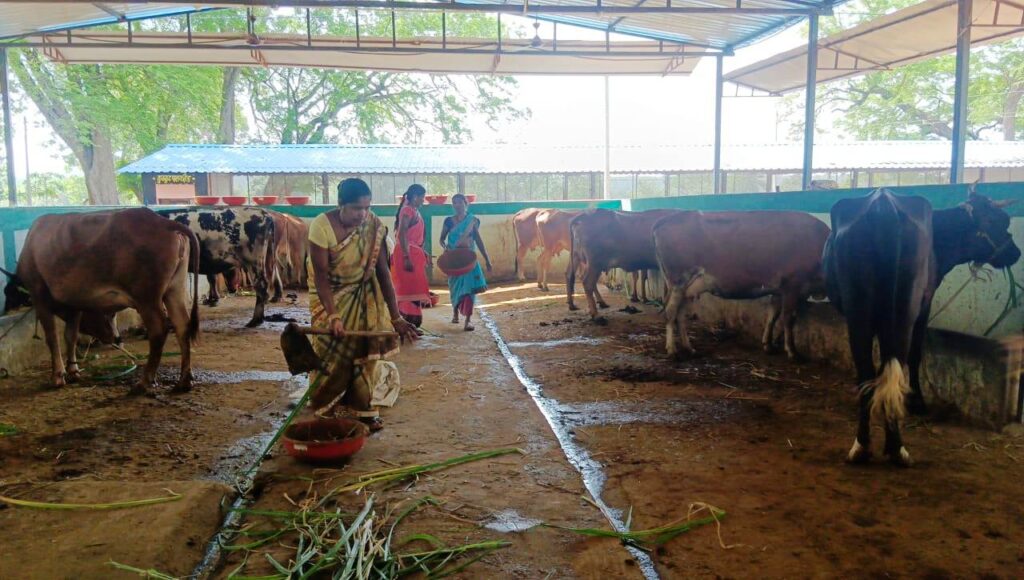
(979, 377)
(20, 350)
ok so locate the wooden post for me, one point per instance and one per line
(325, 189)
(149, 188)
(565, 186)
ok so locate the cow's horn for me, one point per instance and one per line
(1004, 202)
(9, 275)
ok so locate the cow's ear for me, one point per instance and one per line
(967, 207)
(1001, 203)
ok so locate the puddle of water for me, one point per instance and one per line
(205, 377)
(510, 521)
(664, 412)
(590, 470)
(589, 341)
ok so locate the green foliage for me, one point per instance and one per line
(916, 101)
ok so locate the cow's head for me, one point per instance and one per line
(15, 294)
(101, 327)
(991, 243)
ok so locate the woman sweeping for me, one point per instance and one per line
(409, 262)
(462, 230)
(350, 289)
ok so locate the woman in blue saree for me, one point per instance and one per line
(462, 230)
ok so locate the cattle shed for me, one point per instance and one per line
(541, 444)
(497, 173)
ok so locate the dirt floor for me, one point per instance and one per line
(752, 434)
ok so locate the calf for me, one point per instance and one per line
(883, 262)
(92, 265)
(602, 239)
(233, 238)
(739, 255)
(290, 247)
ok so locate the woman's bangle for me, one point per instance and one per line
(334, 317)
(396, 319)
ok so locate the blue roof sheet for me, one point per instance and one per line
(534, 159)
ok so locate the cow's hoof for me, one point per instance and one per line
(602, 306)
(795, 357)
(634, 300)
(73, 377)
(573, 307)
(858, 454)
(254, 323)
(138, 389)
(58, 382)
(210, 303)
(901, 458)
(275, 299)
(182, 387)
(545, 289)
(600, 321)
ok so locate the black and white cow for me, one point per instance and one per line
(233, 238)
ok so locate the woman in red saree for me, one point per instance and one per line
(409, 262)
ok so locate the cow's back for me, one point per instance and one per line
(230, 237)
(741, 249)
(620, 239)
(553, 226)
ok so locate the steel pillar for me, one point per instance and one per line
(5, 89)
(963, 65)
(607, 193)
(811, 90)
(717, 168)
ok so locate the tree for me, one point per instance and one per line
(916, 101)
(315, 105)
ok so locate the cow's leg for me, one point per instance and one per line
(861, 347)
(279, 287)
(46, 319)
(673, 303)
(768, 337)
(214, 296)
(176, 303)
(597, 295)
(643, 286)
(570, 282)
(891, 390)
(520, 262)
(543, 264)
(590, 289)
(71, 327)
(156, 330)
(790, 308)
(915, 402)
(262, 294)
(634, 279)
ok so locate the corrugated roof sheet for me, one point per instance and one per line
(490, 159)
(20, 18)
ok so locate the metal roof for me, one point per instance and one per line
(435, 55)
(915, 33)
(22, 18)
(718, 24)
(510, 159)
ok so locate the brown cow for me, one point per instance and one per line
(553, 229)
(603, 239)
(290, 247)
(524, 228)
(740, 255)
(101, 263)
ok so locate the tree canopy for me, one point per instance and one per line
(109, 115)
(916, 101)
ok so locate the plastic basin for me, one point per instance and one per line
(265, 199)
(297, 199)
(234, 199)
(325, 440)
(207, 200)
(457, 262)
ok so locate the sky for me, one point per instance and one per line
(569, 111)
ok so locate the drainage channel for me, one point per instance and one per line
(590, 470)
(214, 549)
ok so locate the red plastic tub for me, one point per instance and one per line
(325, 440)
(297, 199)
(265, 199)
(207, 200)
(234, 199)
(437, 199)
(471, 197)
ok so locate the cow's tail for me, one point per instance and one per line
(515, 236)
(193, 251)
(890, 387)
(570, 274)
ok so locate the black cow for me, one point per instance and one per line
(233, 238)
(885, 258)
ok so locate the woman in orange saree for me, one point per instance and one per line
(409, 262)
